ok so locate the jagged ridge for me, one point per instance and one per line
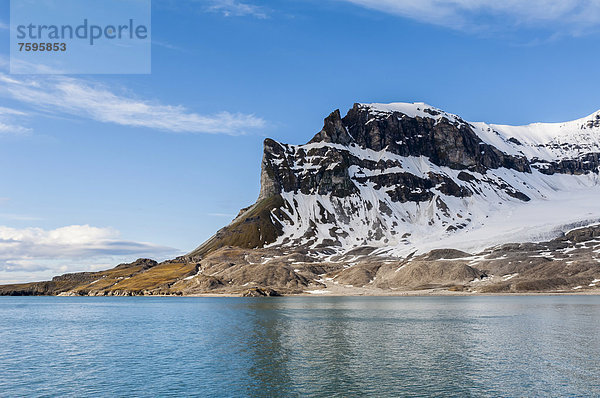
(410, 177)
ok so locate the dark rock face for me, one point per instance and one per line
(420, 159)
(445, 143)
(144, 263)
(334, 131)
(585, 164)
(325, 170)
(282, 170)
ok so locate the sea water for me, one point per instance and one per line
(300, 346)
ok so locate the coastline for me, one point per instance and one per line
(411, 293)
(349, 294)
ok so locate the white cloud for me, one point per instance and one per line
(7, 124)
(74, 241)
(31, 252)
(234, 8)
(574, 16)
(80, 97)
(6, 128)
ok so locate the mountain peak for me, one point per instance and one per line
(333, 131)
(406, 177)
(397, 196)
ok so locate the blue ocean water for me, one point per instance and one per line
(300, 346)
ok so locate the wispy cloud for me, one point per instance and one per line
(17, 217)
(168, 46)
(13, 129)
(234, 8)
(571, 16)
(67, 249)
(227, 215)
(83, 98)
(4, 26)
(9, 124)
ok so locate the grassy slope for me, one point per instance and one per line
(133, 279)
(252, 229)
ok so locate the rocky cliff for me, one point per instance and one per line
(409, 177)
(397, 197)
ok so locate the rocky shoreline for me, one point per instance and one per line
(562, 265)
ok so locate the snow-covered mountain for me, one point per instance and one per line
(393, 199)
(403, 178)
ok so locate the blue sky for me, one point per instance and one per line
(100, 169)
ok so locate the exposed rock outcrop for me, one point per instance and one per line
(393, 198)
